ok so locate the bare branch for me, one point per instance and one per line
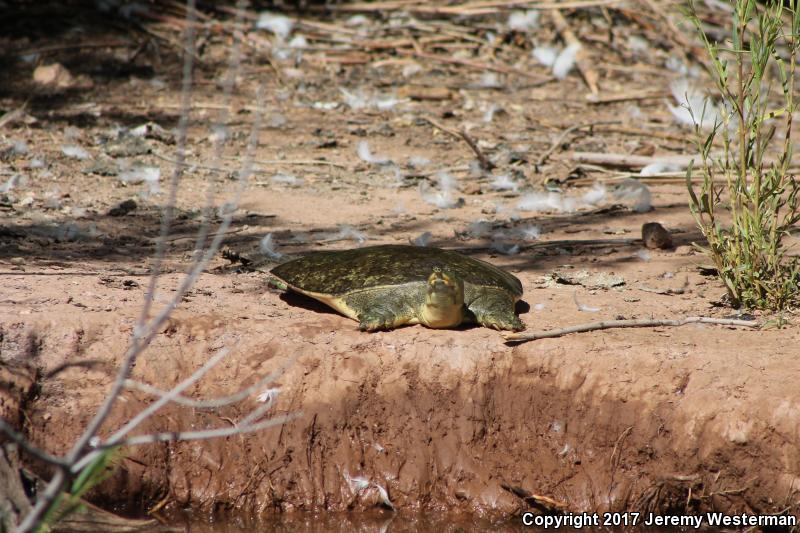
(547, 153)
(461, 134)
(44, 501)
(198, 266)
(20, 439)
(138, 344)
(175, 391)
(644, 323)
(245, 425)
(205, 434)
(211, 402)
(144, 331)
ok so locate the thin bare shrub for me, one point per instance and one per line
(90, 457)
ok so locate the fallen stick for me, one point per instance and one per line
(659, 178)
(291, 162)
(477, 65)
(557, 142)
(474, 8)
(636, 323)
(626, 97)
(276, 162)
(544, 503)
(631, 161)
(351, 59)
(461, 134)
(588, 74)
(625, 130)
(637, 161)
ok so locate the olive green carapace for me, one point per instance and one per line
(388, 286)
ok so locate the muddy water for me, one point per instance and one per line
(379, 522)
(363, 522)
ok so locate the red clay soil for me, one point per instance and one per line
(699, 417)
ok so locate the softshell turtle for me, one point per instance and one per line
(387, 286)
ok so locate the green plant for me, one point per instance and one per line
(746, 229)
(67, 503)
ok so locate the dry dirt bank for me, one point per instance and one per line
(440, 419)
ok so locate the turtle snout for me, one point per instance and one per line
(444, 289)
(440, 282)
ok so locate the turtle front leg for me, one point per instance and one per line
(381, 313)
(383, 317)
(495, 309)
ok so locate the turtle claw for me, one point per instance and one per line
(375, 322)
(501, 324)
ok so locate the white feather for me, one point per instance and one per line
(417, 161)
(298, 41)
(546, 55)
(530, 233)
(268, 247)
(383, 495)
(658, 167)
(444, 196)
(411, 69)
(505, 248)
(149, 175)
(523, 20)
(423, 240)
(479, 228)
(19, 147)
(694, 107)
(14, 181)
(269, 396)
(488, 116)
(565, 60)
(356, 20)
(538, 202)
(595, 195)
(503, 182)
(349, 232)
(489, 80)
(582, 307)
(285, 179)
(277, 24)
(635, 193)
(365, 154)
(356, 483)
(75, 152)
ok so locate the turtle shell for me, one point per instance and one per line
(341, 272)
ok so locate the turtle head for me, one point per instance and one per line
(444, 300)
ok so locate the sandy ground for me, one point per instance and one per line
(677, 420)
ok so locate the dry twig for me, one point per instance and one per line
(477, 65)
(461, 134)
(87, 447)
(630, 160)
(565, 133)
(637, 323)
(469, 9)
(544, 503)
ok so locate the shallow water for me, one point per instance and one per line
(362, 522)
(387, 522)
